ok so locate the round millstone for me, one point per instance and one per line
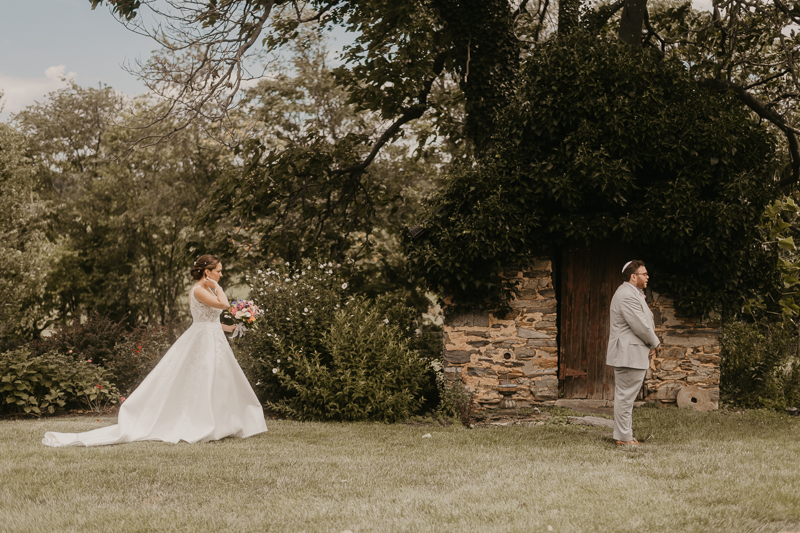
(696, 398)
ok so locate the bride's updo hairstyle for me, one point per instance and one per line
(203, 263)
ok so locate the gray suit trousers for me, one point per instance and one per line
(627, 383)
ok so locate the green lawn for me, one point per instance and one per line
(696, 472)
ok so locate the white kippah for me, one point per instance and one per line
(626, 266)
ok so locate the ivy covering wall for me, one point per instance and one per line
(607, 142)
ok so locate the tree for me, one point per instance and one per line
(123, 213)
(591, 150)
(401, 48)
(743, 48)
(284, 203)
(24, 247)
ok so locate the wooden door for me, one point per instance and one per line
(589, 277)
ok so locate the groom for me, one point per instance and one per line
(631, 340)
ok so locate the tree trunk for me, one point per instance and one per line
(632, 22)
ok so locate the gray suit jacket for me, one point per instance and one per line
(632, 332)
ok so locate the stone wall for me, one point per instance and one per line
(689, 354)
(483, 351)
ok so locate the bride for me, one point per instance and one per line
(196, 393)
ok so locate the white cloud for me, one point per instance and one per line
(22, 92)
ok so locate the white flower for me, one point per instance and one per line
(279, 361)
(305, 309)
(274, 370)
(258, 271)
(269, 334)
(344, 285)
(287, 318)
(385, 320)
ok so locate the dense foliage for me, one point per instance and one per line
(779, 226)
(319, 355)
(51, 382)
(24, 245)
(593, 148)
(760, 366)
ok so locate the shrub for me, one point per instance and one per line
(128, 355)
(322, 357)
(94, 339)
(365, 371)
(51, 382)
(760, 365)
(298, 307)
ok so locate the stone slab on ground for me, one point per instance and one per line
(582, 404)
(591, 421)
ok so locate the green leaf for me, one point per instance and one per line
(787, 244)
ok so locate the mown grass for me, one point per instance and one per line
(699, 472)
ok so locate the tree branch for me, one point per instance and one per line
(520, 9)
(609, 10)
(785, 10)
(412, 113)
(651, 31)
(542, 15)
(767, 80)
(767, 113)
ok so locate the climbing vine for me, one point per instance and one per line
(607, 142)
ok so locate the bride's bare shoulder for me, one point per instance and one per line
(197, 290)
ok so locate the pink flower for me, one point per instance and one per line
(88, 360)
(70, 351)
(99, 387)
(121, 399)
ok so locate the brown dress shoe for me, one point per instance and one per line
(632, 442)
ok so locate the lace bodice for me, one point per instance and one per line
(202, 312)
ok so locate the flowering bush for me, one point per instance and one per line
(298, 307)
(321, 355)
(51, 382)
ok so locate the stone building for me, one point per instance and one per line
(550, 348)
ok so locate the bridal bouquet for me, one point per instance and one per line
(242, 313)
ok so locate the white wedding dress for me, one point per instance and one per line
(196, 393)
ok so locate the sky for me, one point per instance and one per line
(42, 41)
